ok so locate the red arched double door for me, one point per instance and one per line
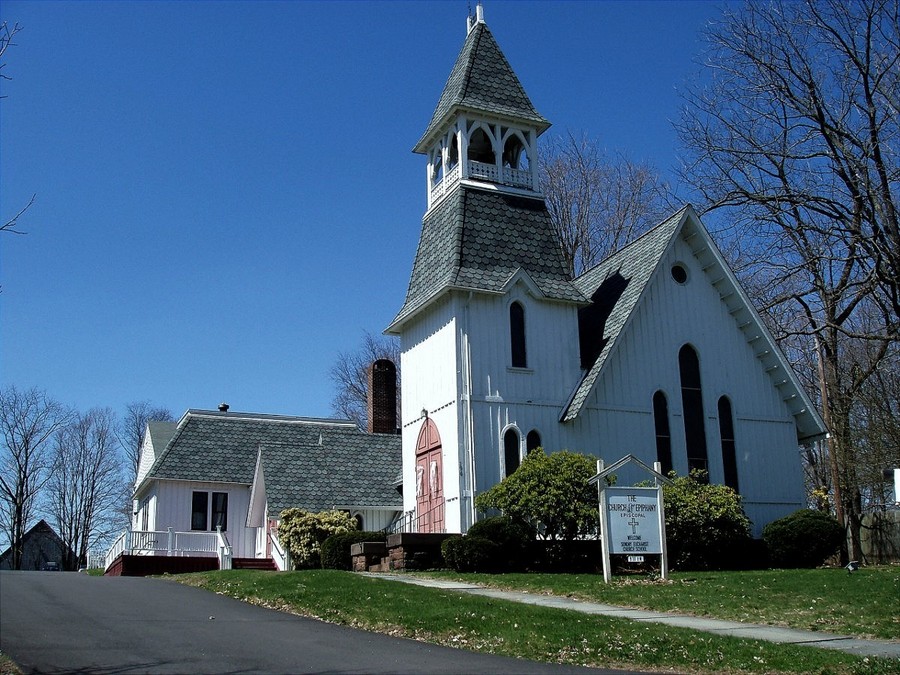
(429, 479)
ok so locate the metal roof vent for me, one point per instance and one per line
(223, 407)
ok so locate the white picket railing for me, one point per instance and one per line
(170, 543)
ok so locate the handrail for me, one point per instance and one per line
(410, 522)
(281, 556)
(117, 548)
(224, 549)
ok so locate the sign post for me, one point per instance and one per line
(632, 519)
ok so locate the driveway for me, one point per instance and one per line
(53, 622)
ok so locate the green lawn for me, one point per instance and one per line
(526, 631)
(863, 604)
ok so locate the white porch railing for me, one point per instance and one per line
(170, 543)
(280, 554)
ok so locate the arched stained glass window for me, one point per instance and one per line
(692, 403)
(729, 453)
(511, 450)
(663, 436)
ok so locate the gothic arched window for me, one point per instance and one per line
(729, 453)
(663, 436)
(511, 450)
(692, 403)
(517, 335)
(532, 440)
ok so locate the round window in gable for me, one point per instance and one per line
(679, 273)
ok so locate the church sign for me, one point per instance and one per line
(632, 519)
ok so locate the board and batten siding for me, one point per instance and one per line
(527, 398)
(429, 355)
(174, 510)
(646, 360)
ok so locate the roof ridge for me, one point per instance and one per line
(677, 214)
(270, 417)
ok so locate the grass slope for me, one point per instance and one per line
(863, 604)
(512, 629)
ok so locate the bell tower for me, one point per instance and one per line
(490, 301)
(484, 130)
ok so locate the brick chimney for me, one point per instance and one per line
(382, 403)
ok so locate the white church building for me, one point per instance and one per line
(657, 351)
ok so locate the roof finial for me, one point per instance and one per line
(471, 21)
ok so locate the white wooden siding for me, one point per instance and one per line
(146, 460)
(174, 510)
(618, 416)
(646, 360)
(429, 355)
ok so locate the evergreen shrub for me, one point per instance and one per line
(805, 538)
(470, 554)
(335, 553)
(513, 540)
(705, 524)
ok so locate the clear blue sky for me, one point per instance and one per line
(226, 194)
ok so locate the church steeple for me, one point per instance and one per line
(487, 225)
(484, 128)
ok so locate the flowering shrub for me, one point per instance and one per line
(302, 533)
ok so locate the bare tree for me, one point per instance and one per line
(85, 486)
(597, 203)
(797, 139)
(349, 374)
(132, 428)
(28, 420)
(7, 33)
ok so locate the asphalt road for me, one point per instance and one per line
(52, 622)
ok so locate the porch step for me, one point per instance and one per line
(266, 564)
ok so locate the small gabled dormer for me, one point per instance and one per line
(484, 129)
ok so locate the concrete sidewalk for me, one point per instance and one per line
(844, 643)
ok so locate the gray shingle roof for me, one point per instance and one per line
(482, 81)
(632, 267)
(160, 434)
(477, 240)
(223, 447)
(349, 468)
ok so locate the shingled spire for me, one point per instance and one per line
(481, 81)
(486, 220)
